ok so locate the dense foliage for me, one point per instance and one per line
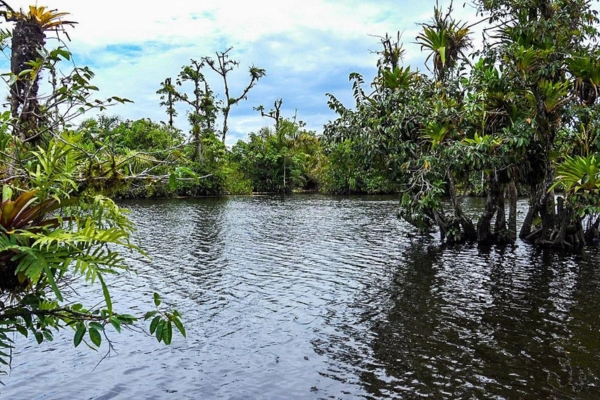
(57, 228)
(518, 115)
(279, 160)
(504, 115)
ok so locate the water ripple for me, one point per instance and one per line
(322, 297)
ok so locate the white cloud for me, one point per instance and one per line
(308, 48)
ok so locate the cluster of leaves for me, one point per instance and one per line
(279, 161)
(501, 117)
(56, 225)
(162, 323)
(45, 245)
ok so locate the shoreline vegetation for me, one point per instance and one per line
(519, 115)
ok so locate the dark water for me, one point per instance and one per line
(314, 297)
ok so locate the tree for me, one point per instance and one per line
(203, 115)
(279, 160)
(537, 41)
(371, 142)
(168, 100)
(529, 97)
(28, 37)
(223, 66)
(55, 225)
(274, 113)
(204, 105)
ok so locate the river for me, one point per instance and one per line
(316, 297)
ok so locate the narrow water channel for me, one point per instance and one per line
(316, 297)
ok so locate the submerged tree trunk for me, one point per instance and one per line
(500, 225)
(592, 234)
(541, 204)
(461, 222)
(559, 235)
(484, 231)
(548, 215)
(532, 212)
(512, 211)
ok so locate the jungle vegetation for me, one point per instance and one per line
(520, 113)
(517, 115)
(57, 224)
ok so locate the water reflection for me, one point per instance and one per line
(321, 297)
(484, 324)
(401, 358)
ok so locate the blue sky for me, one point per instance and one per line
(307, 47)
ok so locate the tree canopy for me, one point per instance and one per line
(506, 114)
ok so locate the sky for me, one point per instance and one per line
(308, 48)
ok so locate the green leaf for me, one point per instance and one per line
(95, 336)
(126, 318)
(159, 330)
(39, 337)
(154, 324)
(96, 326)
(167, 332)
(179, 325)
(22, 330)
(25, 72)
(12, 80)
(48, 335)
(116, 324)
(150, 314)
(107, 298)
(63, 53)
(79, 334)
(50, 277)
(442, 52)
(6, 193)
(27, 319)
(157, 299)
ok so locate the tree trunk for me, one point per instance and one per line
(198, 153)
(532, 212)
(559, 236)
(484, 232)
(591, 233)
(548, 215)
(512, 211)
(539, 205)
(27, 39)
(468, 229)
(500, 225)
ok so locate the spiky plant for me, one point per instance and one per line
(28, 37)
(26, 212)
(446, 39)
(579, 174)
(585, 70)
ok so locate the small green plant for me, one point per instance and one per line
(44, 245)
(578, 173)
